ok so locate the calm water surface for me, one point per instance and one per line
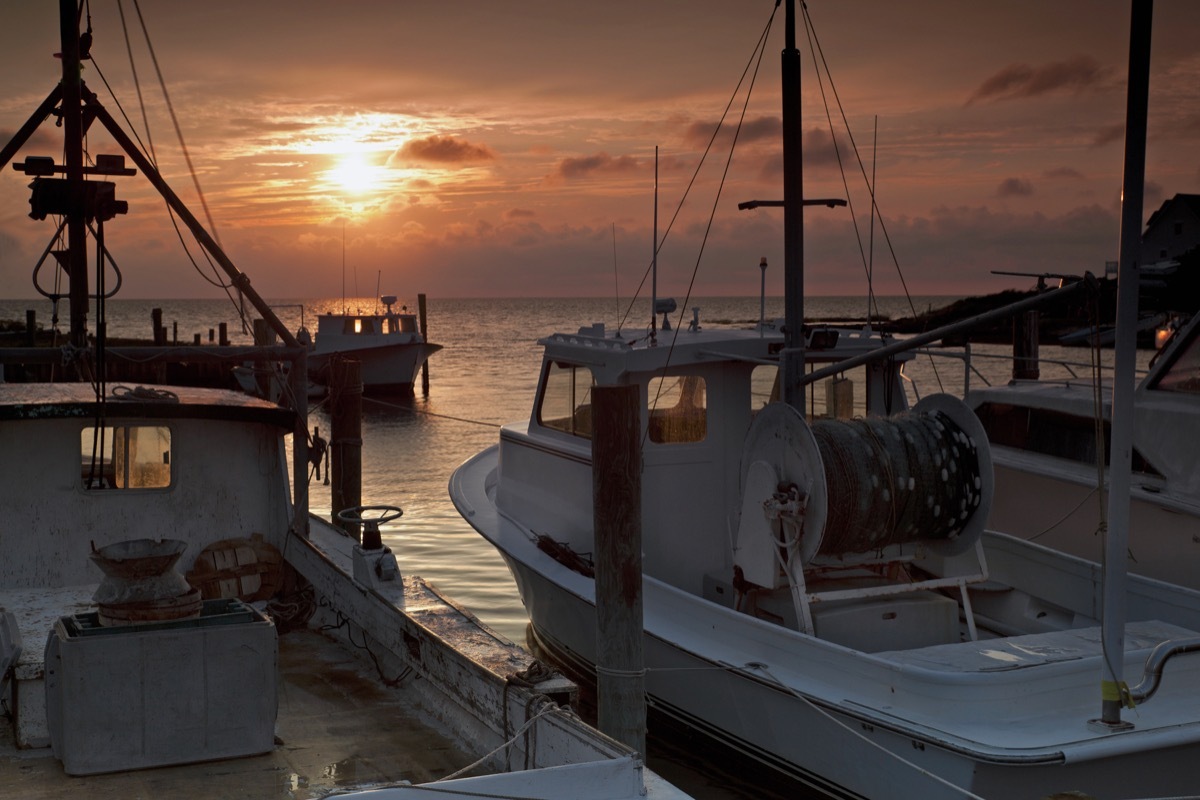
(485, 377)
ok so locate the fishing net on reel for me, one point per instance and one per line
(896, 480)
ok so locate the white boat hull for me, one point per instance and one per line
(385, 368)
(1059, 508)
(818, 714)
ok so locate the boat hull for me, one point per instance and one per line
(794, 704)
(385, 368)
(1067, 516)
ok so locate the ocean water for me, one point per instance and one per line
(484, 377)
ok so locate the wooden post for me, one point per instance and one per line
(617, 521)
(345, 438)
(223, 341)
(263, 337)
(175, 332)
(1025, 346)
(160, 337)
(30, 327)
(197, 339)
(425, 336)
(210, 335)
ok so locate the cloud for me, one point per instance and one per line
(1021, 80)
(1063, 172)
(519, 213)
(699, 134)
(437, 149)
(1014, 187)
(600, 163)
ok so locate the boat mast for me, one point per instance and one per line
(793, 220)
(1113, 689)
(72, 121)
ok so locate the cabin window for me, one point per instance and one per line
(1184, 373)
(408, 324)
(1051, 433)
(566, 400)
(678, 409)
(125, 457)
(764, 386)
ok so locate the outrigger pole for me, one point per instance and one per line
(77, 108)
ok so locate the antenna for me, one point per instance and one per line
(343, 265)
(871, 246)
(654, 258)
(616, 289)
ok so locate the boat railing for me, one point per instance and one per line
(1156, 661)
(989, 368)
(922, 344)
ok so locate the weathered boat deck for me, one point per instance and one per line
(339, 726)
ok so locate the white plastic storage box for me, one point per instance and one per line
(149, 695)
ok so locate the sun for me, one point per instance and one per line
(355, 174)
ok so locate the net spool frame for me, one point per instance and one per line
(781, 437)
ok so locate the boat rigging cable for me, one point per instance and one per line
(822, 67)
(755, 60)
(148, 148)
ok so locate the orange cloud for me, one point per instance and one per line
(437, 149)
(600, 163)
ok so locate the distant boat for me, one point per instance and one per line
(389, 347)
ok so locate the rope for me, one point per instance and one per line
(551, 709)
(427, 413)
(921, 770)
(891, 481)
(122, 392)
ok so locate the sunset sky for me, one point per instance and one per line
(506, 148)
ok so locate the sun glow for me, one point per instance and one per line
(354, 174)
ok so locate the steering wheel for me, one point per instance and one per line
(354, 514)
(371, 540)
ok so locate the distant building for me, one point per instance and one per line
(1172, 230)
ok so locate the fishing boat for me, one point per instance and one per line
(389, 346)
(1045, 444)
(167, 601)
(823, 596)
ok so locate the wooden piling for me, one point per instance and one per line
(425, 336)
(617, 521)
(223, 328)
(345, 438)
(30, 327)
(1025, 346)
(160, 333)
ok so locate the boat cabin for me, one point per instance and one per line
(197, 466)
(700, 391)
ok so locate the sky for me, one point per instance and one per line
(508, 148)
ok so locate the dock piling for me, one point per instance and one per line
(345, 438)
(617, 521)
(425, 336)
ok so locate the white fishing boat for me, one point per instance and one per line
(1045, 445)
(168, 602)
(388, 345)
(823, 596)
